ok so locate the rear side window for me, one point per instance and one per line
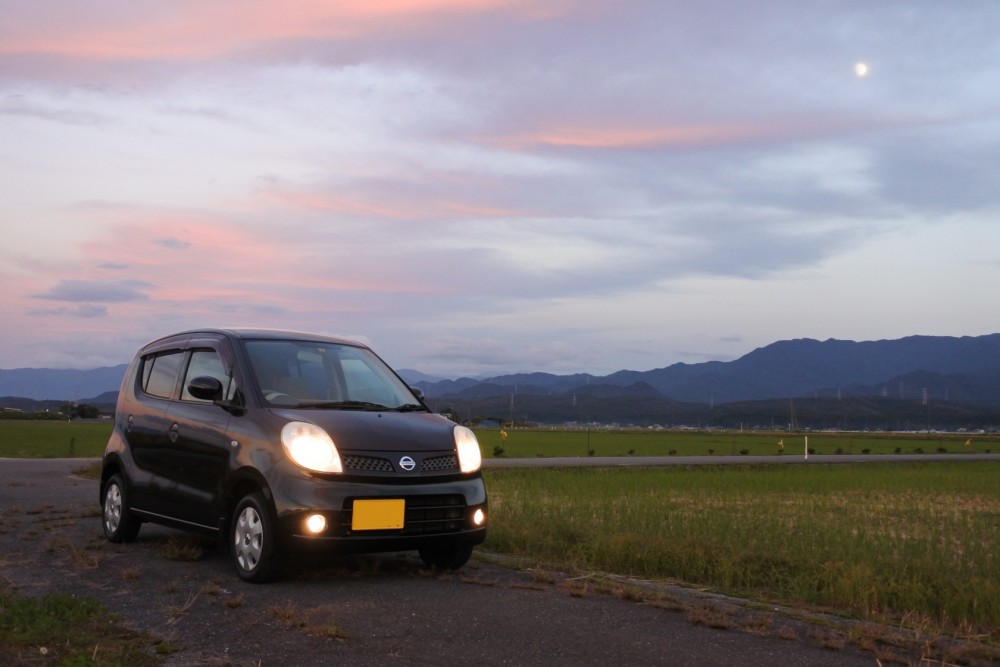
(159, 374)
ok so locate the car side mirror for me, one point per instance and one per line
(205, 388)
(418, 392)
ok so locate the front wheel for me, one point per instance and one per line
(252, 540)
(119, 523)
(447, 557)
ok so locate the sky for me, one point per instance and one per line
(481, 187)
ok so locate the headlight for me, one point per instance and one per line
(310, 447)
(467, 447)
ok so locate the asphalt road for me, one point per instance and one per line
(381, 610)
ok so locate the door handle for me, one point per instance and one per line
(173, 432)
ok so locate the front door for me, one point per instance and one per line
(199, 440)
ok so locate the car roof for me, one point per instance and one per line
(257, 334)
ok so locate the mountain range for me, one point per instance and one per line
(61, 384)
(913, 382)
(922, 369)
(962, 369)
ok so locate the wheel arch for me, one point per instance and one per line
(112, 466)
(246, 481)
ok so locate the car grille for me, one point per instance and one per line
(356, 463)
(448, 463)
(434, 514)
(367, 464)
(425, 515)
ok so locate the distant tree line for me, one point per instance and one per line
(80, 410)
(66, 411)
(851, 413)
(34, 415)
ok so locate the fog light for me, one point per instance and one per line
(316, 524)
(479, 517)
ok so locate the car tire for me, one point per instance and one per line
(252, 540)
(446, 558)
(120, 525)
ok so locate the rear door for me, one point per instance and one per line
(147, 425)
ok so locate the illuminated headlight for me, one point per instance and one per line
(479, 517)
(467, 447)
(310, 447)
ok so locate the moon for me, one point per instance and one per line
(861, 69)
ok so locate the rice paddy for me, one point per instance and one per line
(889, 542)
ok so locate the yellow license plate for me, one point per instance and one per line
(378, 514)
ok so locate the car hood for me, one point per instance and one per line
(357, 430)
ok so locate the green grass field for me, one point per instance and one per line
(915, 544)
(52, 439)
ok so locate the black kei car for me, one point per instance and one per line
(277, 441)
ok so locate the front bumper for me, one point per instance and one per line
(436, 513)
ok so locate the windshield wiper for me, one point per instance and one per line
(344, 405)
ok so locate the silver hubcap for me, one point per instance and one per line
(249, 539)
(112, 508)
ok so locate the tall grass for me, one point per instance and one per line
(881, 541)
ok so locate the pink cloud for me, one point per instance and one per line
(680, 135)
(195, 29)
(637, 137)
(207, 261)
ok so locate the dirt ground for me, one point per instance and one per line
(389, 609)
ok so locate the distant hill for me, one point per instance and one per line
(413, 376)
(963, 370)
(792, 368)
(60, 384)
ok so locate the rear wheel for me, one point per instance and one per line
(119, 523)
(252, 540)
(449, 557)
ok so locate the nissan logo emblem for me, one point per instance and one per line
(407, 464)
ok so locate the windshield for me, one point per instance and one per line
(307, 374)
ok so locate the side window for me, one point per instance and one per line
(159, 374)
(205, 363)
